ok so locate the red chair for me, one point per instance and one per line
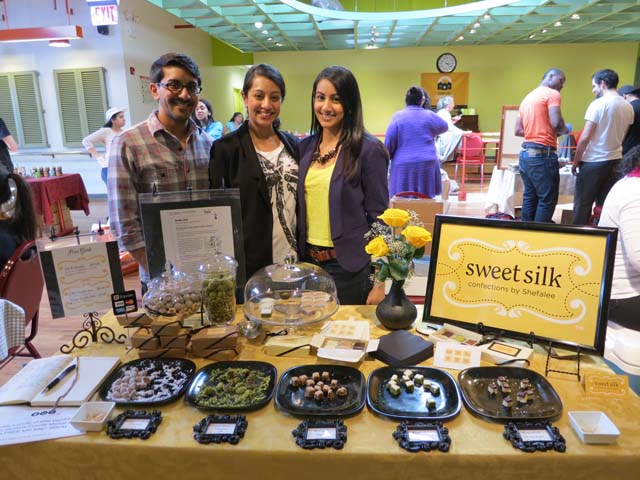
(471, 154)
(22, 282)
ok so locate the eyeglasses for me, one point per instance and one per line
(175, 86)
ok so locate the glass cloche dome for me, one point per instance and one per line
(290, 294)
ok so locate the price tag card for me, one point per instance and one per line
(220, 429)
(422, 436)
(532, 436)
(321, 433)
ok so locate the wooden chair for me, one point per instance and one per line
(22, 282)
(471, 154)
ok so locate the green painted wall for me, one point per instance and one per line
(499, 75)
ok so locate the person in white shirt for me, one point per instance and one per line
(599, 149)
(621, 210)
(447, 143)
(115, 123)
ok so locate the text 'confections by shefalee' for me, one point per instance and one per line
(544, 275)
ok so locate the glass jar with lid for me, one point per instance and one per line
(218, 277)
(173, 294)
(292, 293)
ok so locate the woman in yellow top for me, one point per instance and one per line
(342, 187)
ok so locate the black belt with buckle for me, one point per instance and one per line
(321, 254)
(535, 148)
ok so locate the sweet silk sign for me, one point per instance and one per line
(551, 280)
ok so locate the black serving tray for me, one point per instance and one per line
(411, 406)
(546, 404)
(186, 366)
(205, 372)
(292, 400)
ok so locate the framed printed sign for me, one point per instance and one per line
(522, 279)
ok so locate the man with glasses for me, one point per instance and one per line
(167, 152)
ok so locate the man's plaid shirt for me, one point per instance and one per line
(145, 155)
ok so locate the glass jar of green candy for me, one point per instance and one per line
(218, 277)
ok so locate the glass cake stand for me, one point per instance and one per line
(291, 294)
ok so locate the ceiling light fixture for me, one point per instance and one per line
(265, 32)
(544, 30)
(476, 25)
(278, 44)
(575, 16)
(459, 38)
(487, 16)
(557, 24)
(533, 35)
(37, 34)
(258, 25)
(270, 39)
(472, 31)
(59, 43)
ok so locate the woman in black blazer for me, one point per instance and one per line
(262, 162)
(342, 187)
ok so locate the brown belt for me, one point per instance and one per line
(321, 254)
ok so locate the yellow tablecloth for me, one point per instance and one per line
(268, 449)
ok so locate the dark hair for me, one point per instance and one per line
(109, 123)
(233, 117)
(174, 60)
(552, 71)
(353, 132)
(427, 100)
(414, 96)
(23, 222)
(209, 119)
(263, 70)
(609, 77)
(630, 161)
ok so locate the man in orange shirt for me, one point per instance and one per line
(540, 122)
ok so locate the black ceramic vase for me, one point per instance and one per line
(396, 312)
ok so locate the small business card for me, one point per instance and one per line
(602, 385)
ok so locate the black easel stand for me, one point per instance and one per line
(92, 330)
(575, 357)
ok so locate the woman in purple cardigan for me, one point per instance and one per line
(342, 187)
(410, 140)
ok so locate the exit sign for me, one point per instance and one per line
(104, 14)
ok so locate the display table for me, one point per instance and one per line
(506, 187)
(51, 191)
(268, 450)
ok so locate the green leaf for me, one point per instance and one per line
(398, 269)
(419, 253)
(383, 273)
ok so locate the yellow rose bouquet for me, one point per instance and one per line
(397, 246)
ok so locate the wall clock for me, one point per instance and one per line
(446, 63)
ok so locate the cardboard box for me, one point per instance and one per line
(135, 319)
(427, 209)
(143, 339)
(214, 337)
(181, 340)
(218, 354)
(280, 344)
(166, 326)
